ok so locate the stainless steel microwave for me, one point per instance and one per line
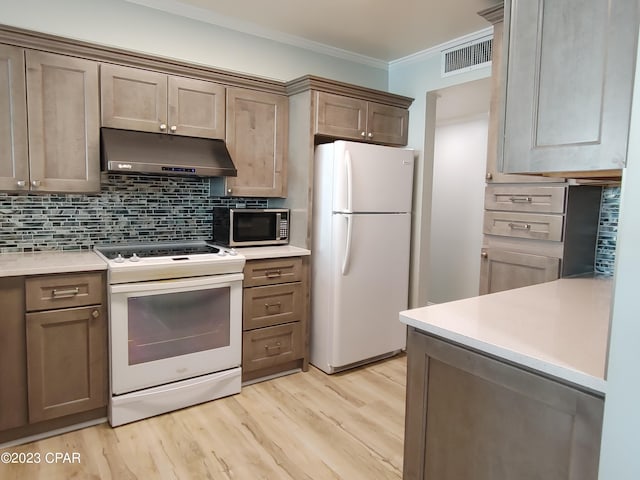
(244, 227)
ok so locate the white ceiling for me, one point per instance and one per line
(378, 29)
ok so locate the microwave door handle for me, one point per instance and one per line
(347, 253)
(278, 220)
(349, 167)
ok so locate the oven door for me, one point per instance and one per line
(169, 330)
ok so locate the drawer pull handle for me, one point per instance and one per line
(270, 306)
(273, 349)
(65, 293)
(521, 199)
(273, 273)
(520, 226)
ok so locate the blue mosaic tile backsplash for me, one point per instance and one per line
(129, 208)
(608, 230)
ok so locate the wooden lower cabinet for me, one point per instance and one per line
(503, 270)
(274, 317)
(53, 352)
(66, 361)
(469, 416)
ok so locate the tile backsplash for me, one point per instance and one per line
(129, 208)
(607, 230)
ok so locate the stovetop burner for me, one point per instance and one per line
(145, 251)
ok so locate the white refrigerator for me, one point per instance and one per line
(361, 239)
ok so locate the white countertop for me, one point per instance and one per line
(559, 328)
(276, 251)
(38, 263)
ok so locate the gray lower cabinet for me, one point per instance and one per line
(569, 81)
(53, 352)
(470, 416)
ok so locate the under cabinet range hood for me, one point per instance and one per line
(128, 151)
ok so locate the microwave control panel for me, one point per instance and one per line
(284, 226)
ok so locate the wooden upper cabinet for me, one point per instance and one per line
(355, 119)
(64, 123)
(137, 99)
(569, 80)
(14, 161)
(257, 126)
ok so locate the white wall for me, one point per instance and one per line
(134, 27)
(457, 208)
(414, 78)
(620, 459)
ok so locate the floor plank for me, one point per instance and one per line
(304, 426)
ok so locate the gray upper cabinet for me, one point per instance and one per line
(137, 99)
(60, 94)
(569, 80)
(14, 161)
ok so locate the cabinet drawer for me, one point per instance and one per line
(62, 291)
(272, 271)
(270, 346)
(523, 225)
(271, 305)
(525, 198)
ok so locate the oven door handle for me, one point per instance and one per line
(171, 285)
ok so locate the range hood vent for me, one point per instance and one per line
(128, 151)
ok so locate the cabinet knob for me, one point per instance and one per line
(363, 134)
(489, 176)
(484, 254)
(229, 190)
(163, 127)
(21, 184)
(95, 313)
(173, 128)
(370, 135)
(35, 183)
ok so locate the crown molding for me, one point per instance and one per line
(430, 52)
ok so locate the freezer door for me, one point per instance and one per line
(371, 278)
(372, 178)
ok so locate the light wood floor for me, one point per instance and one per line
(302, 426)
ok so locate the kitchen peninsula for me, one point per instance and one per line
(508, 385)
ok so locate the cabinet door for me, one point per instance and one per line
(341, 117)
(257, 126)
(196, 108)
(569, 84)
(503, 270)
(64, 123)
(14, 161)
(386, 124)
(13, 355)
(473, 417)
(133, 99)
(66, 361)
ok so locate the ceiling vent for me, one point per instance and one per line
(467, 56)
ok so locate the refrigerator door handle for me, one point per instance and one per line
(347, 253)
(349, 166)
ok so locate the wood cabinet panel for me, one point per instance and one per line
(14, 159)
(525, 198)
(133, 99)
(386, 124)
(523, 225)
(339, 116)
(569, 80)
(64, 122)
(266, 347)
(13, 354)
(196, 108)
(64, 291)
(66, 358)
(272, 271)
(272, 305)
(256, 136)
(470, 416)
(503, 270)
